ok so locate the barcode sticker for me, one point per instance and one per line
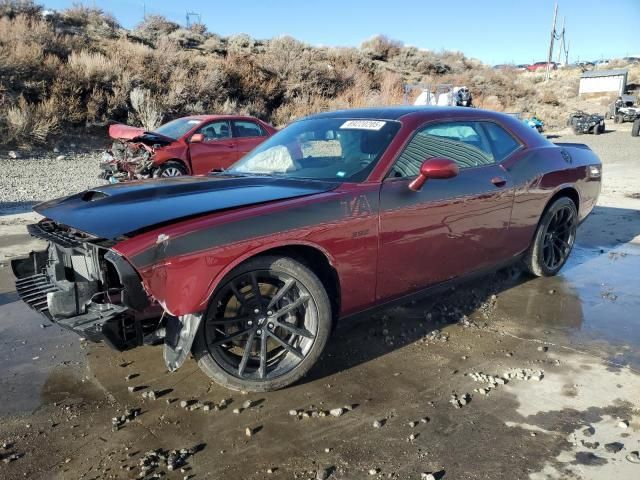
(363, 124)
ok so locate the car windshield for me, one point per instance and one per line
(321, 149)
(178, 127)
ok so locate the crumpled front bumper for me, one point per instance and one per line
(85, 288)
(68, 304)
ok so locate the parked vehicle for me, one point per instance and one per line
(445, 94)
(337, 214)
(535, 123)
(583, 122)
(542, 66)
(193, 145)
(624, 109)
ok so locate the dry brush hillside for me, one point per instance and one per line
(77, 69)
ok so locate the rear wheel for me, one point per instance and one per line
(617, 119)
(266, 326)
(171, 169)
(635, 130)
(554, 239)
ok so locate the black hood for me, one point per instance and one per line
(114, 210)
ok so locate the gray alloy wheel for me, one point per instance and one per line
(171, 169)
(554, 239)
(267, 324)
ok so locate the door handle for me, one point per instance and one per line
(499, 181)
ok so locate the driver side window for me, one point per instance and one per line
(463, 142)
(215, 131)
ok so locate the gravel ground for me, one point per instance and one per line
(25, 181)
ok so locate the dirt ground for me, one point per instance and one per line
(423, 386)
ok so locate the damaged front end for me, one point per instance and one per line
(81, 284)
(131, 155)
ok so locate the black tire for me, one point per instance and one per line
(596, 129)
(635, 130)
(171, 169)
(617, 119)
(555, 235)
(230, 363)
(602, 127)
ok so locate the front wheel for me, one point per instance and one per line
(554, 239)
(171, 169)
(266, 326)
(635, 130)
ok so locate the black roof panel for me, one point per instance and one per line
(382, 113)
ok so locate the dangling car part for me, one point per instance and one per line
(194, 145)
(583, 122)
(336, 215)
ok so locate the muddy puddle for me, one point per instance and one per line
(594, 303)
(31, 350)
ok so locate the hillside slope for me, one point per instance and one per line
(77, 68)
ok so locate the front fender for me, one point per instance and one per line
(184, 285)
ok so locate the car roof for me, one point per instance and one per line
(219, 117)
(397, 112)
(428, 113)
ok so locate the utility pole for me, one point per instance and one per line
(566, 53)
(562, 45)
(553, 37)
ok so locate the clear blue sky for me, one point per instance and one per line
(495, 31)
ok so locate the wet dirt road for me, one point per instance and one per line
(569, 408)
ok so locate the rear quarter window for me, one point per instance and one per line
(502, 142)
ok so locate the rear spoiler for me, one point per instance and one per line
(574, 145)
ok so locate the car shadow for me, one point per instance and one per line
(355, 342)
(12, 208)
(364, 338)
(8, 297)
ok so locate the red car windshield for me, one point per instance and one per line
(321, 149)
(178, 127)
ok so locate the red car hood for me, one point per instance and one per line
(120, 131)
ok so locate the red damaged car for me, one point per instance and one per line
(193, 145)
(337, 214)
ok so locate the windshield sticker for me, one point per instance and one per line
(363, 124)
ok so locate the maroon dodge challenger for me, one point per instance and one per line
(337, 214)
